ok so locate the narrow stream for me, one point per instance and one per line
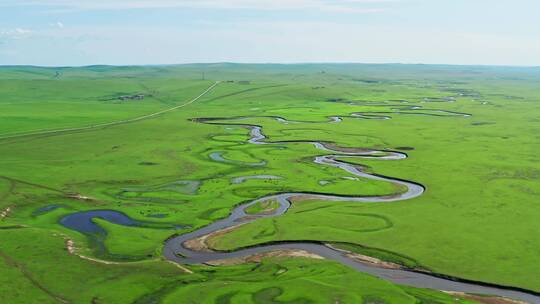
(175, 250)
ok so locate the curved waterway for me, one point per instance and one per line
(84, 221)
(176, 251)
(383, 115)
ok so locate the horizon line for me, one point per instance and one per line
(269, 63)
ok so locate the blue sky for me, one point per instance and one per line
(76, 32)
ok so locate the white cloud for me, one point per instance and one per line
(16, 33)
(57, 24)
(353, 6)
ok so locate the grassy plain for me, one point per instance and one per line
(477, 219)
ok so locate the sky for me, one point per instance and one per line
(136, 32)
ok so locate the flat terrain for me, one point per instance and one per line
(69, 144)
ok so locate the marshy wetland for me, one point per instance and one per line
(295, 187)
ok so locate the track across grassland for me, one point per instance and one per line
(112, 123)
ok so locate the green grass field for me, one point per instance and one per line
(477, 220)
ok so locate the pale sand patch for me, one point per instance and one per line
(81, 197)
(367, 259)
(182, 267)
(203, 243)
(4, 213)
(484, 299)
(70, 245)
(373, 261)
(257, 258)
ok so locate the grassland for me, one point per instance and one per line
(477, 219)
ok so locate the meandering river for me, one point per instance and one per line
(176, 251)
